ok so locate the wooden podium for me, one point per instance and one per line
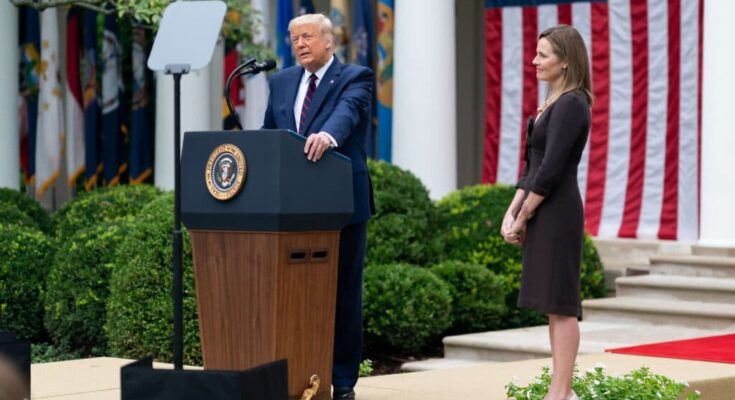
(265, 259)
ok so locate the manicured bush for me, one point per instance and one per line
(478, 296)
(25, 257)
(45, 353)
(101, 205)
(404, 307)
(403, 225)
(597, 383)
(470, 221)
(77, 286)
(139, 308)
(592, 276)
(469, 224)
(11, 215)
(27, 206)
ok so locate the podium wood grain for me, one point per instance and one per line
(259, 301)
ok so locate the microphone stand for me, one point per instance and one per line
(236, 72)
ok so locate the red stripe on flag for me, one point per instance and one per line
(72, 59)
(638, 131)
(493, 80)
(236, 88)
(530, 83)
(669, 209)
(564, 14)
(600, 117)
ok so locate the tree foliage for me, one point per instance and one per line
(241, 26)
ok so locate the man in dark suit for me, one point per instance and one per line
(330, 104)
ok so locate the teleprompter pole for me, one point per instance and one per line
(177, 291)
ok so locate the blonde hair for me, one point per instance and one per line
(569, 46)
(325, 24)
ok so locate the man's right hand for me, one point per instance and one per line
(316, 145)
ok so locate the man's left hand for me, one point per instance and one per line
(316, 145)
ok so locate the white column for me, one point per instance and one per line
(217, 78)
(9, 129)
(424, 94)
(717, 216)
(195, 116)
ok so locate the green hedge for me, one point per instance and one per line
(89, 209)
(592, 278)
(403, 225)
(25, 257)
(139, 309)
(27, 206)
(469, 221)
(10, 214)
(77, 286)
(404, 307)
(478, 296)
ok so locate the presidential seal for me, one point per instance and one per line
(225, 172)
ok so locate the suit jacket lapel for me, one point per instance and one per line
(325, 86)
(292, 91)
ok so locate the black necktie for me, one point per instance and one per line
(307, 102)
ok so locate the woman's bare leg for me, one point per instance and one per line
(564, 336)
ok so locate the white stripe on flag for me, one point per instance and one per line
(512, 90)
(74, 135)
(50, 125)
(658, 83)
(581, 17)
(620, 118)
(547, 17)
(688, 211)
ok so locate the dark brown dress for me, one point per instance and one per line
(552, 250)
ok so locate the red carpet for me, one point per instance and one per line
(713, 348)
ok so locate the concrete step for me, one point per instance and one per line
(533, 342)
(624, 257)
(672, 287)
(432, 364)
(703, 250)
(625, 253)
(633, 310)
(692, 265)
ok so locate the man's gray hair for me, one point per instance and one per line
(325, 24)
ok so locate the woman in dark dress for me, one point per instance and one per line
(546, 215)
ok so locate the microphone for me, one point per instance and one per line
(250, 66)
(265, 65)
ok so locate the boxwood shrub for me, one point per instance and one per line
(403, 225)
(25, 257)
(469, 224)
(404, 307)
(27, 206)
(139, 308)
(107, 204)
(77, 287)
(478, 296)
(11, 215)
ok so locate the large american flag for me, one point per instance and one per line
(639, 175)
